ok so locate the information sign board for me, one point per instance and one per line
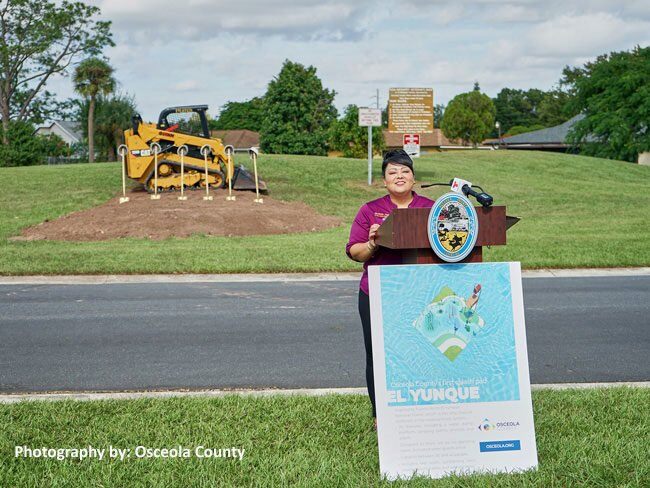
(410, 110)
(369, 117)
(451, 369)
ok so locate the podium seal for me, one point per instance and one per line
(452, 227)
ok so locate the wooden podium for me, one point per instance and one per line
(406, 229)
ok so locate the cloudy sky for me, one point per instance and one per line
(172, 52)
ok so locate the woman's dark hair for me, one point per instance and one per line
(397, 156)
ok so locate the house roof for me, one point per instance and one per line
(72, 128)
(435, 138)
(550, 135)
(239, 139)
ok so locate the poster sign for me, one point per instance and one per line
(369, 117)
(411, 144)
(410, 110)
(451, 369)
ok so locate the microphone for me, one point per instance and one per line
(465, 187)
(482, 198)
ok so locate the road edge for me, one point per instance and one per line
(280, 277)
(217, 393)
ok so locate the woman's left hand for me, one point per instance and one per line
(372, 235)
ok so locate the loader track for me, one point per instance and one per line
(175, 164)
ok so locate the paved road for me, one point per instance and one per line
(287, 335)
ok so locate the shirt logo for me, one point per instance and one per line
(381, 215)
(452, 227)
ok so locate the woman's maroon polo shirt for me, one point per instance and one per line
(375, 212)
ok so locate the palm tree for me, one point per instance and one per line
(92, 77)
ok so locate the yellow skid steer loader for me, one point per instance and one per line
(177, 127)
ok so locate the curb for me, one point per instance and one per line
(280, 277)
(217, 393)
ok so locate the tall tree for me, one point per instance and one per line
(298, 112)
(93, 77)
(41, 39)
(351, 139)
(531, 108)
(112, 116)
(555, 108)
(469, 117)
(240, 115)
(514, 108)
(613, 92)
(438, 112)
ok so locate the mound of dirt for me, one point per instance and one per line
(167, 217)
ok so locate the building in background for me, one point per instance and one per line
(549, 139)
(69, 131)
(240, 139)
(431, 141)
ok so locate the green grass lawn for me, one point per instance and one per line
(595, 438)
(576, 212)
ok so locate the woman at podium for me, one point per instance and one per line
(399, 179)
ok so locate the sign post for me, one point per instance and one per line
(370, 117)
(369, 155)
(451, 369)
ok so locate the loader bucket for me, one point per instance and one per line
(245, 180)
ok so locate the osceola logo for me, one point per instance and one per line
(486, 425)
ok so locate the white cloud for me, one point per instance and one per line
(171, 20)
(186, 86)
(201, 51)
(525, 11)
(577, 35)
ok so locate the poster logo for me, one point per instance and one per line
(452, 227)
(487, 426)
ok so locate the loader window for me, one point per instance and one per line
(185, 123)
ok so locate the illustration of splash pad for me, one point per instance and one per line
(450, 322)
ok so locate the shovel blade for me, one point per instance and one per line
(245, 180)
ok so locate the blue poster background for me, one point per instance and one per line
(416, 330)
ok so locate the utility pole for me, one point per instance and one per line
(376, 97)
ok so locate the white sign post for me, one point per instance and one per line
(451, 369)
(370, 117)
(411, 143)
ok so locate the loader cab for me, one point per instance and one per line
(190, 119)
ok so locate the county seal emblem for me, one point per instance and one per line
(452, 227)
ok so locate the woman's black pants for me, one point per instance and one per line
(364, 313)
